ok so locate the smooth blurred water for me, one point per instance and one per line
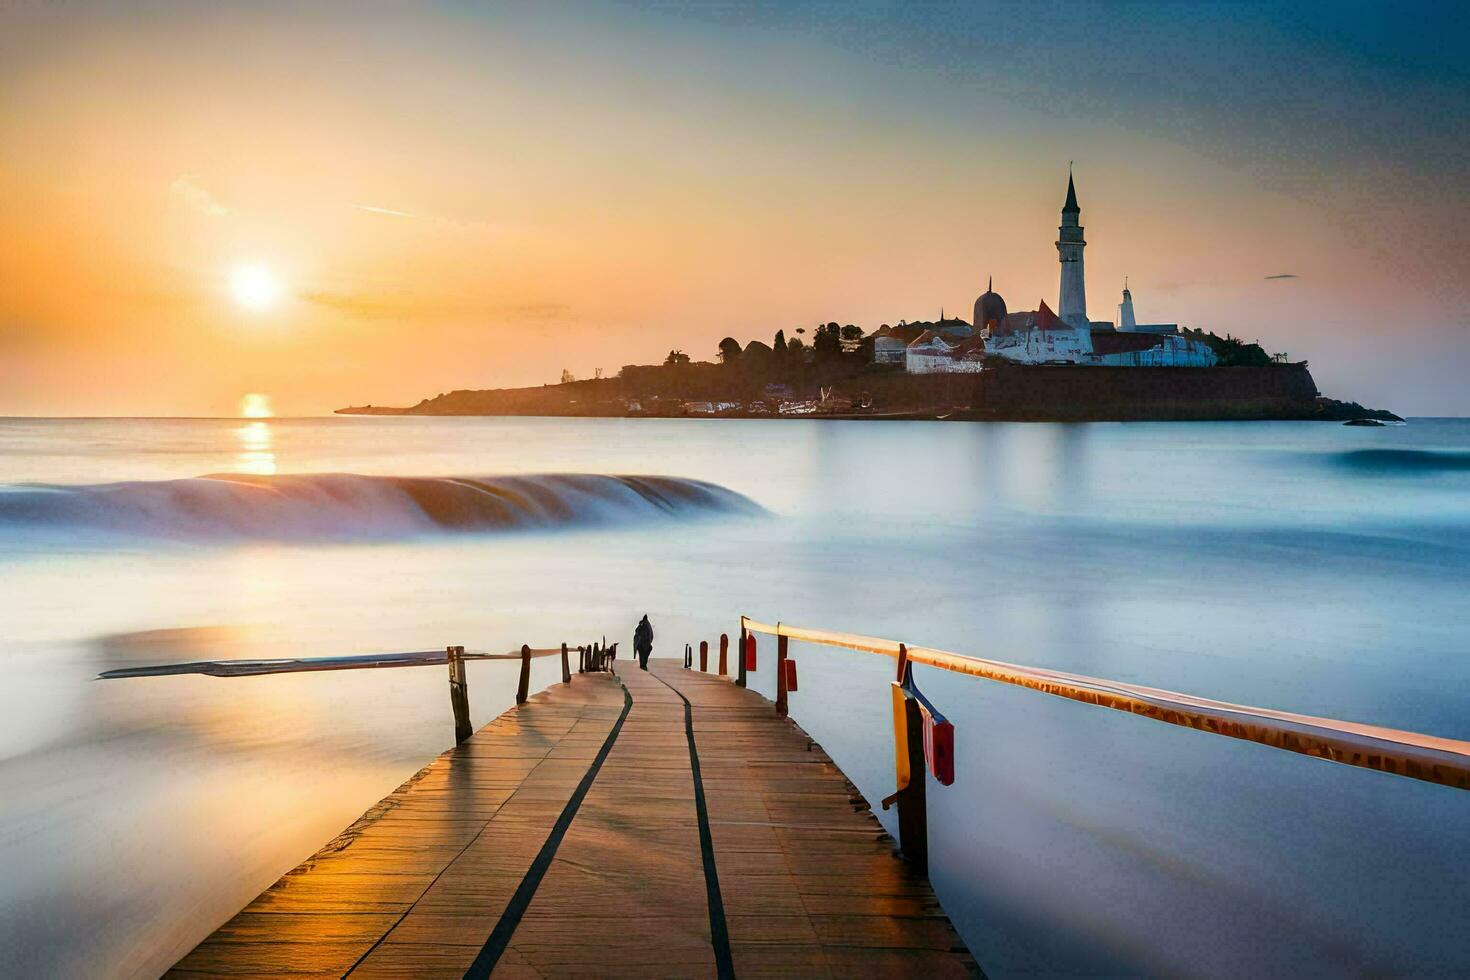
(1302, 566)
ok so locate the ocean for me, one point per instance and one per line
(1302, 566)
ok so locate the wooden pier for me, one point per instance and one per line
(672, 823)
(658, 823)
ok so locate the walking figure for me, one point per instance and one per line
(643, 641)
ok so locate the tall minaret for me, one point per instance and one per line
(1072, 299)
(1126, 321)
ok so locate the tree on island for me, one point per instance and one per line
(778, 346)
(729, 350)
(828, 341)
(1232, 351)
(567, 377)
(675, 358)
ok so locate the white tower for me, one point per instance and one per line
(1126, 321)
(1072, 298)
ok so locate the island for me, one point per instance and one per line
(838, 388)
(1004, 365)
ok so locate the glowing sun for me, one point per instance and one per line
(255, 287)
(256, 406)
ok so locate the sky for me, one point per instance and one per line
(374, 202)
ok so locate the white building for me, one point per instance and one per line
(1044, 337)
(1040, 338)
(1155, 350)
(927, 354)
(1069, 337)
(933, 353)
(890, 344)
(1128, 323)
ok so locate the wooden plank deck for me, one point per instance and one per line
(606, 827)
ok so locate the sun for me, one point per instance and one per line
(255, 287)
(256, 406)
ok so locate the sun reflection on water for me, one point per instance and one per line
(257, 449)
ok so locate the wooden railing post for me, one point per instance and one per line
(746, 639)
(913, 807)
(724, 654)
(781, 676)
(566, 667)
(704, 656)
(525, 684)
(459, 694)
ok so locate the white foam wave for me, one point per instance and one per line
(345, 506)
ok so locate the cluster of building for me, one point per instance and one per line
(779, 400)
(1040, 336)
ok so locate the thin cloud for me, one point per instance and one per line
(536, 311)
(403, 306)
(196, 197)
(440, 219)
(363, 307)
(388, 211)
(1284, 275)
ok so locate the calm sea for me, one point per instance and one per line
(1302, 566)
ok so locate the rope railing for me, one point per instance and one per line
(592, 657)
(296, 665)
(1428, 758)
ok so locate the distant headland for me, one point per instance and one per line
(1002, 365)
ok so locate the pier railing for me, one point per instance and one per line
(924, 738)
(593, 656)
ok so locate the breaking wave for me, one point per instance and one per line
(345, 506)
(1405, 460)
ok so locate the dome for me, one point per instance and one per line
(990, 309)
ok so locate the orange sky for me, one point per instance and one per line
(452, 200)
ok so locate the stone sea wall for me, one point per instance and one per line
(1278, 391)
(1001, 392)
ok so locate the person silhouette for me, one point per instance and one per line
(643, 641)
